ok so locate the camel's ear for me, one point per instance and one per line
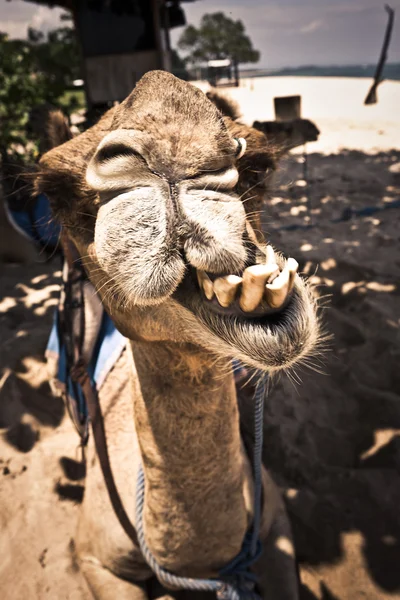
(259, 158)
(226, 105)
(62, 170)
(57, 131)
(259, 150)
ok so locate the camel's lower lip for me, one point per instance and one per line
(235, 311)
(274, 340)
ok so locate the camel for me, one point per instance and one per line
(152, 198)
(289, 134)
(16, 244)
(14, 247)
(283, 135)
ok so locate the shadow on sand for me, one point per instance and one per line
(333, 439)
(29, 294)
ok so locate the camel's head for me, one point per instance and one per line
(153, 196)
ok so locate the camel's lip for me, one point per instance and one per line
(192, 297)
(270, 341)
(194, 280)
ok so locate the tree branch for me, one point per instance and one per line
(371, 96)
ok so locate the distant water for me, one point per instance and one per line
(391, 71)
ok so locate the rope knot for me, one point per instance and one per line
(243, 591)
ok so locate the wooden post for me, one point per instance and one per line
(372, 96)
(236, 71)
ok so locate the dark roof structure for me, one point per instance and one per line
(120, 40)
(116, 5)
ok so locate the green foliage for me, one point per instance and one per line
(33, 72)
(218, 37)
(72, 101)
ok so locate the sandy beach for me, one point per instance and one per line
(332, 428)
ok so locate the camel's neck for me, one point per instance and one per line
(187, 424)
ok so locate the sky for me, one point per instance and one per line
(286, 32)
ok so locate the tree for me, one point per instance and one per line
(33, 72)
(57, 58)
(218, 37)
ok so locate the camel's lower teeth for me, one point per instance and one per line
(255, 279)
(277, 291)
(225, 289)
(206, 284)
(261, 283)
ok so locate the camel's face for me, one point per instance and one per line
(171, 234)
(167, 196)
(171, 227)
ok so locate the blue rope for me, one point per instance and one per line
(237, 582)
(259, 396)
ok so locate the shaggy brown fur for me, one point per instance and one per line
(148, 194)
(255, 170)
(227, 106)
(58, 131)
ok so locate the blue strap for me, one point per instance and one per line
(36, 223)
(109, 346)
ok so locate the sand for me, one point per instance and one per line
(332, 439)
(335, 104)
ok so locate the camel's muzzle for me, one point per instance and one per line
(266, 314)
(259, 289)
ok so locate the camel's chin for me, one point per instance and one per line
(265, 338)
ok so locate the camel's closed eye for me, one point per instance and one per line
(222, 180)
(115, 151)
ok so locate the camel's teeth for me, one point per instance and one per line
(293, 267)
(225, 289)
(254, 280)
(274, 272)
(205, 283)
(277, 291)
(269, 255)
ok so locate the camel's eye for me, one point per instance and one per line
(116, 150)
(241, 147)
